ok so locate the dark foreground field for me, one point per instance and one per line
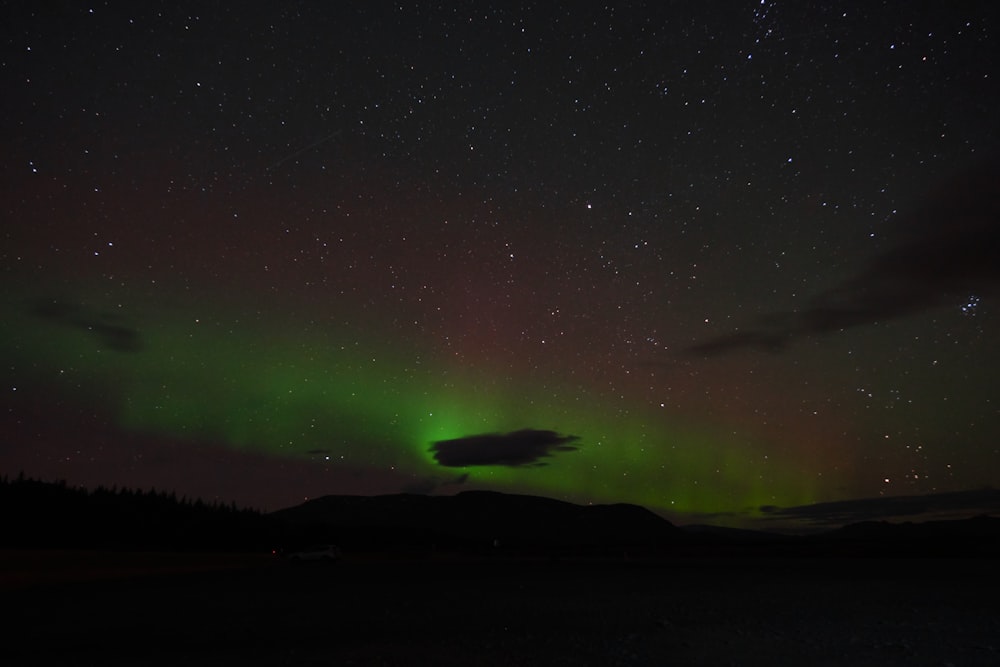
(712, 611)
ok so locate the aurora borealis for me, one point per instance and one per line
(714, 261)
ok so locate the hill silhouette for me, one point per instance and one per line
(976, 536)
(481, 520)
(54, 515)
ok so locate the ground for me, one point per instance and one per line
(222, 610)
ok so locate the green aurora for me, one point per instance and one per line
(339, 399)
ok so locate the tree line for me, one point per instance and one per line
(34, 513)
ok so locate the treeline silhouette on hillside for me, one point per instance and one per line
(36, 514)
(55, 515)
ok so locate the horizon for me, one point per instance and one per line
(736, 265)
(813, 519)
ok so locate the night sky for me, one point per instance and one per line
(721, 259)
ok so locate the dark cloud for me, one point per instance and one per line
(518, 448)
(107, 328)
(944, 252)
(938, 505)
(771, 341)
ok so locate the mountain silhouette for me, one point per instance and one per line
(978, 535)
(54, 515)
(484, 519)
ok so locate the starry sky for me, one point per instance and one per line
(736, 262)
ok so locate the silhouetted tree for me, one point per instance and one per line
(40, 514)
